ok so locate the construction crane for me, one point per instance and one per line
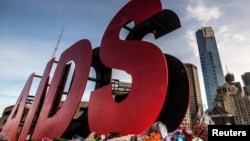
(57, 44)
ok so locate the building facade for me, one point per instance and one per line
(246, 81)
(231, 98)
(210, 63)
(195, 99)
(5, 116)
(221, 117)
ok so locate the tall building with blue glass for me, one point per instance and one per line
(210, 63)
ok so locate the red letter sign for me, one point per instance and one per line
(153, 95)
(81, 54)
(145, 63)
(10, 128)
(39, 97)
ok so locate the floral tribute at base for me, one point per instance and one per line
(157, 132)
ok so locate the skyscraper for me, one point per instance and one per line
(246, 80)
(195, 99)
(210, 63)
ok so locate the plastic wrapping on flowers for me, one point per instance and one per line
(156, 132)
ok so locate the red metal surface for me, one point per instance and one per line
(145, 63)
(150, 90)
(80, 53)
(39, 97)
(11, 126)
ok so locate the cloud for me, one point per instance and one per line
(227, 36)
(191, 39)
(232, 47)
(203, 13)
(239, 37)
(224, 29)
(20, 62)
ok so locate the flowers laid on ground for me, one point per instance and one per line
(200, 131)
(152, 136)
(157, 132)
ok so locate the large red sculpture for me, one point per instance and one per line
(11, 126)
(159, 90)
(147, 66)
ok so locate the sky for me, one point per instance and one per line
(29, 32)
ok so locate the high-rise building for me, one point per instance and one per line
(246, 80)
(231, 98)
(195, 99)
(210, 63)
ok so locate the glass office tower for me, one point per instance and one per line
(210, 63)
